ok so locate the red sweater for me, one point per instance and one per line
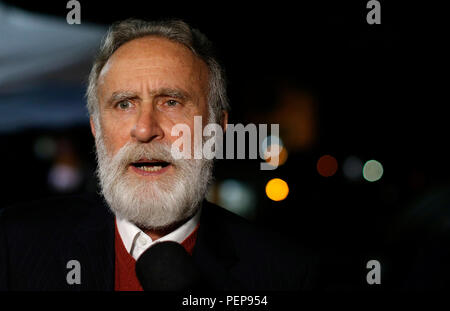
(125, 274)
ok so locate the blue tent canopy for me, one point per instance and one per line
(44, 64)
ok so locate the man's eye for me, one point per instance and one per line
(125, 104)
(172, 103)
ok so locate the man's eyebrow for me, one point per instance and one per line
(162, 92)
(121, 95)
(171, 92)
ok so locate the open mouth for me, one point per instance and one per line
(149, 166)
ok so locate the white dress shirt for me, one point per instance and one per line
(137, 241)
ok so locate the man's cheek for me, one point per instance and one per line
(115, 138)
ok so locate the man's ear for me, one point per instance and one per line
(91, 122)
(224, 120)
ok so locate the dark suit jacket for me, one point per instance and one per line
(38, 240)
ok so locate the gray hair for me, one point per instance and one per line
(174, 30)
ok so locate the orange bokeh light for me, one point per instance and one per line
(277, 189)
(276, 160)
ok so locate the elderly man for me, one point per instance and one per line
(147, 77)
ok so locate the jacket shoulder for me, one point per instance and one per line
(275, 261)
(242, 232)
(57, 211)
(39, 238)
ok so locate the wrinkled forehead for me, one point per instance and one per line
(154, 60)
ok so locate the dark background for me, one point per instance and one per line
(372, 91)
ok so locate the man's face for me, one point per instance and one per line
(146, 87)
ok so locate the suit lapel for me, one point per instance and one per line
(213, 252)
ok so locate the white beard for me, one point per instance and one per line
(172, 198)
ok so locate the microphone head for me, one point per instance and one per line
(166, 266)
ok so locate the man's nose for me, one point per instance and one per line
(147, 127)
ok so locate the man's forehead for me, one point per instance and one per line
(151, 51)
(149, 57)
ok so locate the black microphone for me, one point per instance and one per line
(166, 266)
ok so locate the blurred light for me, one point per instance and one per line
(237, 197)
(64, 178)
(372, 170)
(277, 160)
(296, 113)
(44, 147)
(327, 165)
(267, 143)
(270, 140)
(277, 189)
(352, 168)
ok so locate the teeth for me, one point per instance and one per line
(150, 168)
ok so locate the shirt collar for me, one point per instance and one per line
(136, 241)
